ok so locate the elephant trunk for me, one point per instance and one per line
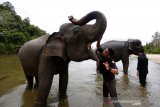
(96, 30)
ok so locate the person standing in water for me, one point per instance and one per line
(108, 69)
(142, 67)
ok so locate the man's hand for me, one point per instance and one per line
(106, 65)
(112, 70)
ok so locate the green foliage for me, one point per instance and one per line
(2, 48)
(151, 50)
(154, 46)
(14, 31)
(156, 51)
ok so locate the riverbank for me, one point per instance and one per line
(154, 57)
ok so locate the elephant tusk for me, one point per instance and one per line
(89, 46)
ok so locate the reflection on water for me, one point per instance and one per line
(11, 74)
(84, 87)
(28, 97)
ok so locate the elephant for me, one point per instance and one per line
(48, 55)
(122, 50)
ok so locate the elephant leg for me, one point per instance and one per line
(44, 87)
(97, 64)
(29, 80)
(63, 82)
(36, 82)
(125, 67)
(45, 76)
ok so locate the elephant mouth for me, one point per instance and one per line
(92, 55)
(82, 53)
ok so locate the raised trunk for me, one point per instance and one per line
(97, 29)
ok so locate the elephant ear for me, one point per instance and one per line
(130, 46)
(55, 46)
(133, 44)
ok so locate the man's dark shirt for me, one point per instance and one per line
(142, 65)
(107, 75)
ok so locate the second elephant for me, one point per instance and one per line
(122, 50)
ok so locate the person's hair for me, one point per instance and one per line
(111, 51)
(141, 50)
(100, 49)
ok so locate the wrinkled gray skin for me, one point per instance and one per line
(48, 55)
(122, 51)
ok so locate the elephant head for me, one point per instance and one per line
(134, 46)
(73, 41)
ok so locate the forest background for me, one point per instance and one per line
(15, 31)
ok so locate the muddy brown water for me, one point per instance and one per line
(84, 87)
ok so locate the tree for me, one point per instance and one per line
(14, 31)
(154, 45)
(156, 40)
(9, 6)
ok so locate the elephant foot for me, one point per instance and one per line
(37, 104)
(29, 87)
(35, 86)
(62, 97)
(125, 73)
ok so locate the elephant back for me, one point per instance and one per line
(29, 51)
(118, 46)
(33, 46)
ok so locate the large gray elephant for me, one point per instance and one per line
(50, 54)
(122, 50)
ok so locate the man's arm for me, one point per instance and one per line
(113, 70)
(139, 63)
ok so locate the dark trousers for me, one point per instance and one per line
(109, 88)
(142, 78)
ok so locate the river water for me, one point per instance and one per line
(84, 87)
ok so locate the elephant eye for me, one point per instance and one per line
(76, 29)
